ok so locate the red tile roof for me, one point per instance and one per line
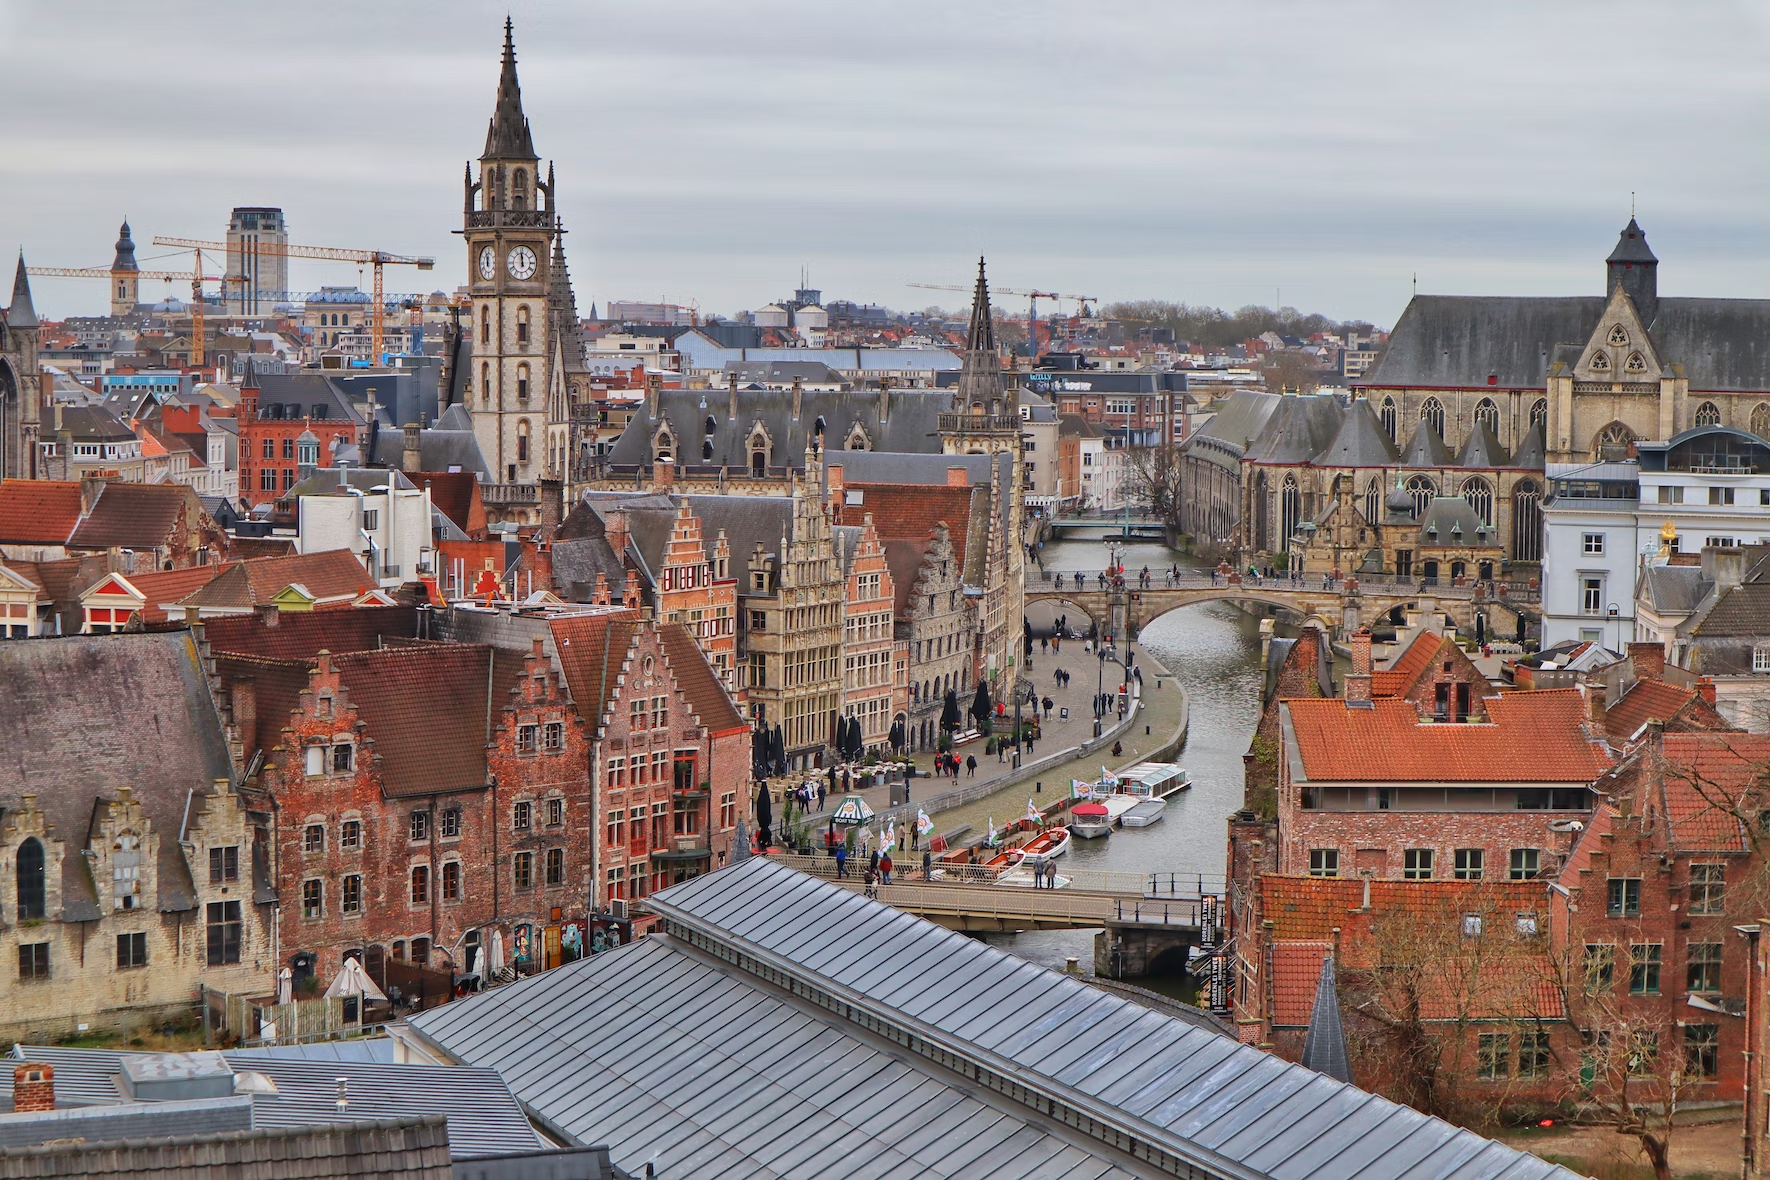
(1296, 972)
(301, 635)
(167, 586)
(1655, 700)
(38, 511)
(331, 576)
(134, 515)
(903, 512)
(591, 650)
(426, 710)
(699, 684)
(1705, 775)
(452, 494)
(1528, 737)
(1402, 675)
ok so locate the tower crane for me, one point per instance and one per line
(375, 258)
(1032, 312)
(195, 275)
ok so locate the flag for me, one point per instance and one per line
(1032, 813)
(889, 840)
(924, 825)
(1080, 790)
(990, 840)
(1108, 778)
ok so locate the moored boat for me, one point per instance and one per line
(1090, 821)
(1047, 846)
(1153, 780)
(1143, 813)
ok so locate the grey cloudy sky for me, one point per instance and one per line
(706, 149)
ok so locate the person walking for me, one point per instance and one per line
(1044, 644)
(1047, 702)
(885, 868)
(927, 866)
(820, 796)
(841, 860)
(873, 861)
(971, 766)
(872, 880)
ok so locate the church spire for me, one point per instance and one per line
(982, 336)
(125, 259)
(507, 137)
(980, 375)
(21, 314)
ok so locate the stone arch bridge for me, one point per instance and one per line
(1342, 606)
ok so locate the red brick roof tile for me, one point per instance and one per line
(134, 515)
(1655, 700)
(700, 685)
(910, 512)
(1407, 669)
(591, 649)
(331, 576)
(38, 511)
(1705, 774)
(302, 635)
(167, 586)
(451, 493)
(1528, 737)
(1296, 971)
(426, 707)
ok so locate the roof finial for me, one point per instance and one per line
(1631, 204)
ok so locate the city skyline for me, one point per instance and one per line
(708, 155)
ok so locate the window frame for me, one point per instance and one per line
(33, 962)
(313, 899)
(1421, 866)
(224, 932)
(132, 950)
(1468, 864)
(1709, 894)
(1645, 961)
(1324, 862)
(1622, 897)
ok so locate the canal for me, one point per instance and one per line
(1213, 651)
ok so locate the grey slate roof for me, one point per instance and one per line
(439, 449)
(1324, 1044)
(135, 1120)
(1743, 612)
(767, 979)
(1360, 441)
(1425, 448)
(1455, 523)
(484, 1116)
(93, 424)
(1461, 340)
(897, 467)
(1676, 589)
(912, 425)
(1631, 245)
(1232, 428)
(1300, 428)
(1482, 449)
(1531, 454)
(21, 313)
(81, 716)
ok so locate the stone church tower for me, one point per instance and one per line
(21, 381)
(985, 420)
(125, 275)
(526, 347)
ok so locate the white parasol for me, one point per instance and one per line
(354, 981)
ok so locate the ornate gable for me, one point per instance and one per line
(1619, 351)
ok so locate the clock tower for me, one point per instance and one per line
(510, 222)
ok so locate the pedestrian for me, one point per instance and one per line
(1057, 642)
(820, 796)
(971, 766)
(1118, 749)
(885, 868)
(1044, 645)
(841, 860)
(1057, 678)
(872, 880)
(927, 866)
(1047, 702)
(1138, 672)
(873, 861)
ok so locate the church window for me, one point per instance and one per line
(711, 424)
(522, 441)
(1487, 414)
(522, 382)
(485, 381)
(1708, 414)
(1617, 441)
(1527, 521)
(1619, 335)
(707, 450)
(1432, 411)
(519, 190)
(522, 325)
(1478, 493)
(857, 439)
(1761, 420)
(29, 873)
(1373, 501)
(1600, 363)
(125, 871)
(1635, 364)
(485, 325)
(1421, 489)
(1539, 412)
(1290, 503)
(1388, 417)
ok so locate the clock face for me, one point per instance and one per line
(488, 263)
(522, 263)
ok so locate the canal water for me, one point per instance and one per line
(1213, 651)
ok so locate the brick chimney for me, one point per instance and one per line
(731, 381)
(33, 1087)
(1705, 688)
(411, 456)
(957, 477)
(1358, 689)
(833, 473)
(614, 527)
(663, 475)
(243, 702)
(653, 383)
(798, 397)
(1597, 707)
(884, 400)
(91, 488)
(1361, 652)
(552, 492)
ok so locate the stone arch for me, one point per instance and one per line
(663, 444)
(1478, 494)
(1388, 416)
(1707, 414)
(1539, 412)
(1615, 441)
(1422, 489)
(1290, 509)
(1600, 362)
(32, 879)
(1761, 420)
(1635, 364)
(1373, 501)
(1262, 512)
(12, 463)
(857, 439)
(1487, 413)
(761, 449)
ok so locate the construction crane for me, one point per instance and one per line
(195, 275)
(375, 258)
(1032, 311)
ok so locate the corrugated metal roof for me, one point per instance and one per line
(484, 1116)
(686, 1048)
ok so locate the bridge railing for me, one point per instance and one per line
(1154, 886)
(1091, 580)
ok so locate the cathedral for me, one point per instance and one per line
(525, 377)
(20, 382)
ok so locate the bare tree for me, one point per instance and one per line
(1152, 480)
(1290, 372)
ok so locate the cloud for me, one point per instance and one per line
(1210, 153)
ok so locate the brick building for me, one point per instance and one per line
(868, 679)
(695, 587)
(132, 872)
(288, 421)
(153, 526)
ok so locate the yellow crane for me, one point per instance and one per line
(195, 275)
(375, 258)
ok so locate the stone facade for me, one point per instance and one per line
(937, 625)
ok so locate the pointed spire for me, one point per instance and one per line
(982, 335)
(21, 313)
(980, 378)
(125, 259)
(507, 137)
(1324, 1045)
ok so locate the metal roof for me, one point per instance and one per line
(783, 1026)
(484, 1117)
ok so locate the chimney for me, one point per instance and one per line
(630, 592)
(957, 477)
(884, 400)
(1596, 707)
(798, 397)
(663, 475)
(731, 380)
(1358, 689)
(538, 556)
(653, 383)
(267, 614)
(33, 1087)
(1361, 652)
(1705, 688)
(1724, 567)
(552, 507)
(614, 527)
(410, 458)
(91, 488)
(833, 473)
(243, 703)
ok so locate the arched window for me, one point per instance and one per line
(1262, 514)
(1618, 335)
(1290, 504)
(1373, 501)
(1615, 441)
(1635, 364)
(485, 381)
(522, 382)
(1422, 490)
(485, 325)
(519, 190)
(522, 440)
(1761, 420)
(707, 450)
(522, 325)
(32, 894)
(663, 447)
(1708, 414)
(857, 439)
(1488, 415)
(1432, 410)
(1388, 417)
(1600, 363)
(1527, 521)
(758, 453)
(1479, 495)
(1539, 412)
(711, 425)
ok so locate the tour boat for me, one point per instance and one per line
(1047, 846)
(1090, 821)
(1005, 859)
(1117, 804)
(1153, 780)
(1143, 813)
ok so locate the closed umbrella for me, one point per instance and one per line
(354, 981)
(764, 816)
(981, 706)
(495, 957)
(949, 712)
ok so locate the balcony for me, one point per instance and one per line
(960, 423)
(684, 848)
(509, 219)
(510, 493)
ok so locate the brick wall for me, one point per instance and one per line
(1377, 840)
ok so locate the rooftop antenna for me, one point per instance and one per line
(1416, 282)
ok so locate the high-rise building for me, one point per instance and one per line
(256, 237)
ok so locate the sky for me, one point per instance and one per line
(1326, 155)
